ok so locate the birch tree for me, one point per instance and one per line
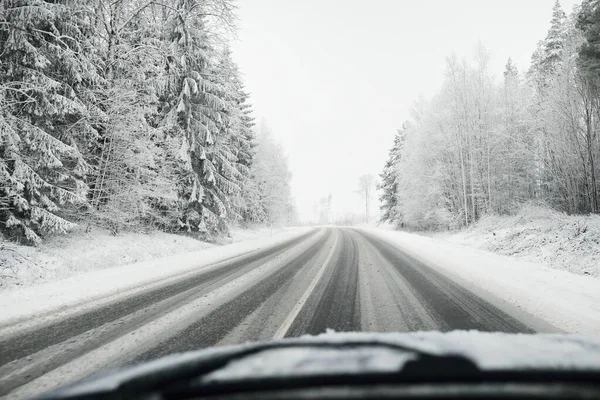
(485, 146)
(272, 176)
(366, 184)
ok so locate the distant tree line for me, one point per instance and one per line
(480, 146)
(129, 113)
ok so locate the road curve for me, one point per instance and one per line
(330, 278)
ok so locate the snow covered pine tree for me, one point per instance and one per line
(47, 66)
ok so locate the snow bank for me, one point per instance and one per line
(79, 252)
(568, 301)
(239, 234)
(570, 243)
(23, 303)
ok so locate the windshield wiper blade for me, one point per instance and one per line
(424, 371)
(425, 367)
(184, 373)
(179, 380)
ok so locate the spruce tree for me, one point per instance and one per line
(555, 39)
(245, 204)
(47, 69)
(124, 113)
(390, 210)
(589, 53)
(194, 113)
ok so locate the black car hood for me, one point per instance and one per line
(353, 353)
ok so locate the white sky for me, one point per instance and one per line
(334, 79)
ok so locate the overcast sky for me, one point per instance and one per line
(334, 79)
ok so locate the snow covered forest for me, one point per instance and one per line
(127, 114)
(487, 146)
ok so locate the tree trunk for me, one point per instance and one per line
(589, 142)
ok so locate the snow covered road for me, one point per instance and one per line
(327, 278)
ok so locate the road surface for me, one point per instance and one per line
(329, 278)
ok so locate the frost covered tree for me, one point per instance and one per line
(483, 146)
(48, 67)
(555, 40)
(192, 109)
(589, 66)
(124, 114)
(366, 184)
(132, 182)
(252, 210)
(390, 209)
(516, 170)
(588, 21)
(234, 159)
(565, 119)
(271, 173)
(468, 150)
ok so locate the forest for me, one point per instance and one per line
(488, 146)
(130, 114)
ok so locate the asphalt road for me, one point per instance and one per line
(330, 278)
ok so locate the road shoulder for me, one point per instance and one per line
(558, 297)
(84, 290)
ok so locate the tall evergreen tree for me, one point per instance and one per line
(555, 39)
(588, 22)
(241, 136)
(390, 210)
(47, 70)
(131, 111)
(193, 111)
(549, 52)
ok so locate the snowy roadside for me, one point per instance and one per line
(540, 235)
(568, 301)
(78, 252)
(19, 304)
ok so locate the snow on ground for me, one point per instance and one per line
(239, 234)
(79, 289)
(570, 243)
(568, 301)
(79, 252)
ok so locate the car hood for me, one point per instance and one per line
(334, 353)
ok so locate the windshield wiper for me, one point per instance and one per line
(186, 375)
(185, 378)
